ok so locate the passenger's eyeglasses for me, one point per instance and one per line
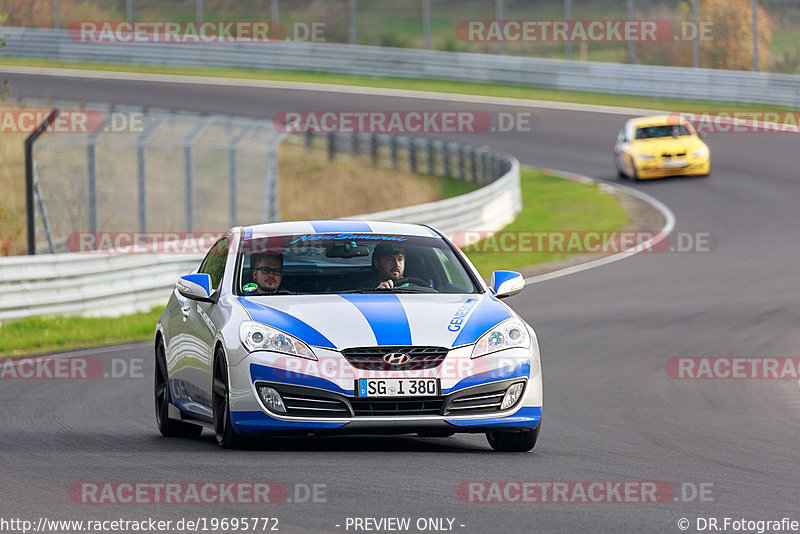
(267, 270)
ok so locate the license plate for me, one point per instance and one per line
(397, 387)
(674, 162)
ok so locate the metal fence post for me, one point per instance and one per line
(91, 163)
(331, 146)
(373, 148)
(498, 15)
(141, 143)
(352, 22)
(29, 185)
(567, 18)
(631, 42)
(474, 159)
(233, 192)
(189, 171)
(754, 9)
(426, 22)
(271, 193)
(696, 39)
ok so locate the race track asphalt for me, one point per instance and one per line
(612, 413)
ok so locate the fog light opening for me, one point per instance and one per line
(513, 394)
(272, 399)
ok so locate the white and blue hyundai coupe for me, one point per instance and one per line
(318, 327)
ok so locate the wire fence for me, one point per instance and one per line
(122, 169)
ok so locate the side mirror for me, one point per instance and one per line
(506, 283)
(195, 286)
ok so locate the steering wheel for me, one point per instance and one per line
(411, 280)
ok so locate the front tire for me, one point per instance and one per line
(169, 428)
(634, 171)
(514, 441)
(223, 428)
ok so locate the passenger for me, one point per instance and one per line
(267, 272)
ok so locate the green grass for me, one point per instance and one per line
(454, 188)
(439, 86)
(39, 335)
(551, 204)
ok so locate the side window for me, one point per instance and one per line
(214, 262)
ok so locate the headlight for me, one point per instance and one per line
(506, 335)
(645, 156)
(258, 336)
(700, 152)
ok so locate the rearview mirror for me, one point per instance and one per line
(350, 249)
(506, 283)
(195, 286)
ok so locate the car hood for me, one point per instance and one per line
(669, 145)
(385, 319)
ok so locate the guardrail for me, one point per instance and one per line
(615, 78)
(114, 284)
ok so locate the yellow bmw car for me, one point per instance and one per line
(659, 146)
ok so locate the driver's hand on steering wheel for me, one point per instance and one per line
(387, 284)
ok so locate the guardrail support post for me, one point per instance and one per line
(331, 146)
(429, 155)
(412, 155)
(462, 156)
(373, 148)
(474, 159)
(393, 150)
(446, 159)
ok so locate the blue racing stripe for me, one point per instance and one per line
(385, 315)
(288, 323)
(488, 313)
(330, 227)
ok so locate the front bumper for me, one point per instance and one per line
(647, 169)
(468, 402)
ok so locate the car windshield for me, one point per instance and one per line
(670, 130)
(343, 263)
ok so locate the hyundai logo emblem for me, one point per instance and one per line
(396, 358)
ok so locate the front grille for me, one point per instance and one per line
(389, 407)
(371, 358)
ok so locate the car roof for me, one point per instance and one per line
(657, 120)
(339, 226)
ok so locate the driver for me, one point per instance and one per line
(389, 261)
